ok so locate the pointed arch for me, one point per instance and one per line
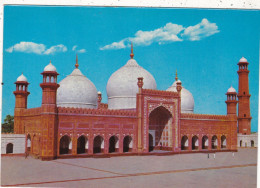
(214, 142)
(65, 145)
(113, 144)
(223, 142)
(195, 142)
(160, 131)
(127, 144)
(82, 144)
(184, 143)
(98, 144)
(205, 142)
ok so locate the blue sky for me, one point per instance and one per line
(203, 45)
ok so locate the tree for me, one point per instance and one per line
(8, 125)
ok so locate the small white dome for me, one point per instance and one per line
(99, 92)
(50, 67)
(22, 78)
(122, 85)
(187, 100)
(77, 91)
(243, 60)
(231, 90)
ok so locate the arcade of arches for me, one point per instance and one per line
(203, 143)
(98, 144)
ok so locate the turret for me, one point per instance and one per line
(49, 85)
(21, 93)
(231, 101)
(244, 117)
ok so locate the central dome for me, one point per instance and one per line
(77, 91)
(122, 85)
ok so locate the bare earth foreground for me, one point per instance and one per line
(186, 170)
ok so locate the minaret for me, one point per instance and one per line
(21, 93)
(49, 85)
(244, 117)
(49, 117)
(231, 101)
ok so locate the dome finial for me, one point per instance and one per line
(132, 54)
(50, 61)
(176, 76)
(76, 65)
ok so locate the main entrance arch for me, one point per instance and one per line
(160, 129)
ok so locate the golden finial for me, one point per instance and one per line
(176, 76)
(76, 65)
(50, 61)
(132, 54)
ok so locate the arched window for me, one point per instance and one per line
(9, 148)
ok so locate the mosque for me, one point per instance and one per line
(137, 120)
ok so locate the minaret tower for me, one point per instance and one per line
(49, 118)
(244, 117)
(231, 101)
(21, 93)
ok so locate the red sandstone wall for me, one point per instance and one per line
(93, 122)
(210, 125)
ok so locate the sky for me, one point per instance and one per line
(204, 45)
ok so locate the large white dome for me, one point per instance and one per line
(122, 85)
(187, 100)
(77, 91)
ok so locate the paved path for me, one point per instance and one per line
(186, 170)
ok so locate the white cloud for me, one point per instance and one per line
(54, 49)
(115, 45)
(81, 51)
(74, 48)
(201, 30)
(169, 33)
(27, 47)
(31, 47)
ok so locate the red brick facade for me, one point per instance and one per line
(155, 124)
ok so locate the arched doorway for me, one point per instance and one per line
(214, 142)
(28, 147)
(82, 145)
(205, 142)
(127, 144)
(195, 143)
(9, 148)
(65, 145)
(241, 142)
(252, 143)
(151, 141)
(113, 144)
(98, 146)
(160, 129)
(223, 142)
(184, 143)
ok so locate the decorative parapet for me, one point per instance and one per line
(160, 92)
(205, 117)
(31, 111)
(103, 106)
(97, 112)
